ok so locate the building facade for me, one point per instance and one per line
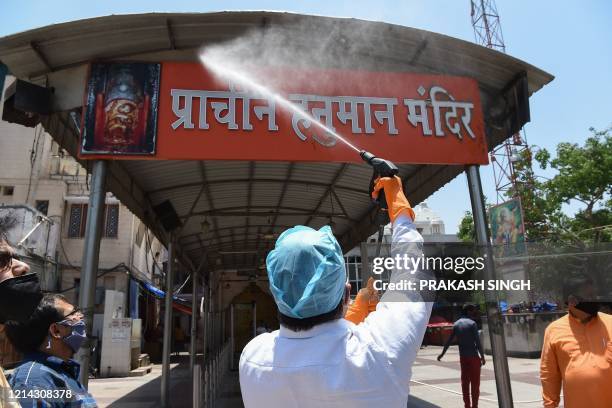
(41, 183)
(428, 223)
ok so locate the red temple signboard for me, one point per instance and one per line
(404, 117)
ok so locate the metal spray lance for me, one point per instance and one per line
(382, 168)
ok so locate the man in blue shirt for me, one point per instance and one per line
(471, 356)
(48, 377)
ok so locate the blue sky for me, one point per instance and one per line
(569, 39)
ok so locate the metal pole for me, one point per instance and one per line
(91, 254)
(209, 328)
(207, 386)
(165, 380)
(223, 325)
(213, 339)
(365, 264)
(196, 398)
(204, 344)
(205, 324)
(3, 73)
(194, 320)
(254, 319)
(211, 345)
(496, 328)
(232, 342)
(213, 376)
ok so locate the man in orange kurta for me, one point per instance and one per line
(577, 355)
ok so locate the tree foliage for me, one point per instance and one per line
(583, 173)
(466, 231)
(538, 208)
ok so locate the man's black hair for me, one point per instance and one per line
(308, 323)
(468, 308)
(29, 335)
(574, 284)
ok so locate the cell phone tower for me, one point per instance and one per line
(488, 32)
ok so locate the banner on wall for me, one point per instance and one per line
(507, 228)
(404, 117)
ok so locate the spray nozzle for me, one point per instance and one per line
(382, 167)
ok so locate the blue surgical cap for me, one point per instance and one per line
(306, 272)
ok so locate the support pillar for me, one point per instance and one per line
(232, 339)
(194, 319)
(366, 272)
(205, 325)
(205, 329)
(91, 255)
(196, 386)
(494, 318)
(254, 319)
(211, 347)
(165, 379)
(3, 73)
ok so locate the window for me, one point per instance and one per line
(435, 229)
(8, 190)
(111, 221)
(78, 221)
(42, 206)
(353, 270)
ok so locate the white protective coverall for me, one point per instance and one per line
(340, 364)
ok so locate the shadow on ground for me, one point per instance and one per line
(149, 394)
(415, 402)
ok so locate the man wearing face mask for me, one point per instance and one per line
(14, 302)
(19, 289)
(577, 352)
(48, 377)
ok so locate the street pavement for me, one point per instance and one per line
(434, 384)
(145, 391)
(438, 384)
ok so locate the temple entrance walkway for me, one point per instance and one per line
(435, 384)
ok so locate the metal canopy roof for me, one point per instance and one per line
(248, 203)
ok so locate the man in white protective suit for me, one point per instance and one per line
(317, 358)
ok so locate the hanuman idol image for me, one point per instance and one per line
(121, 111)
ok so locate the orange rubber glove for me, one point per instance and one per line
(394, 193)
(364, 303)
(372, 295)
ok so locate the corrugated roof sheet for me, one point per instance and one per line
(248, 204)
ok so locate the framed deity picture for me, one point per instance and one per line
(120, 113)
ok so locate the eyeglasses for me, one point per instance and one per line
(75, 311)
